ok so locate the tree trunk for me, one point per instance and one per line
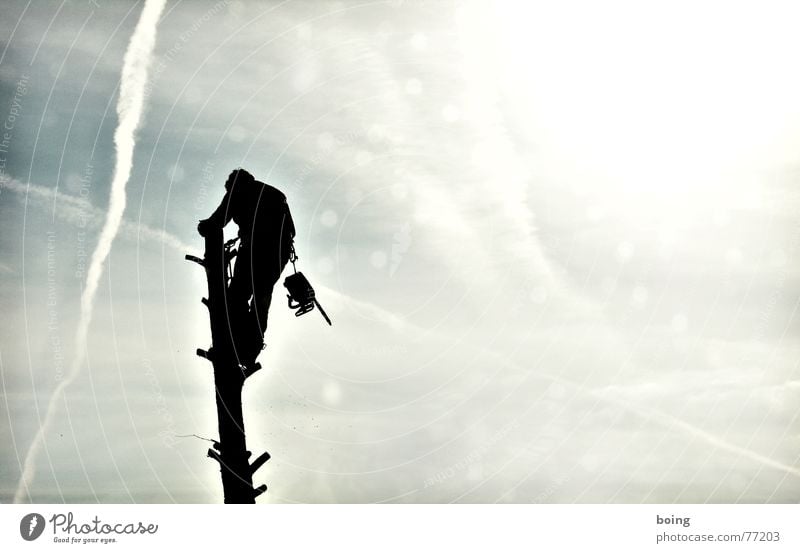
(229, 377)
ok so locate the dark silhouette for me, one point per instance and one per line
(229, 377)
(238, 304)
(266, 234)
(302, 297)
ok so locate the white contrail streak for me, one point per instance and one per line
(660, 417)
(129, 111)
(79, 211)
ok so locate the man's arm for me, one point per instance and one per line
(221, 216)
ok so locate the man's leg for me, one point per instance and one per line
(241, 318)
(263, 297)
(240, 288)
(267, 269)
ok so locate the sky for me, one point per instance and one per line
(558, 243)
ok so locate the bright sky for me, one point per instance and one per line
(558, 242)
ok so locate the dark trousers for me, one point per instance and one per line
(254, 276)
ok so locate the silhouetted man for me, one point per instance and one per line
(266, 233)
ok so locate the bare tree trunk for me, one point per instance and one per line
(229, 377)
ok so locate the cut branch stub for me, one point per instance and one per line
(259, 490)
(259, 461)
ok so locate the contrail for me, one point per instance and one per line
(129, 111)
(79, 211)
(658, 416)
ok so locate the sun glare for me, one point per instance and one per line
(686, 102)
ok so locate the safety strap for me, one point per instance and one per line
(293, 257)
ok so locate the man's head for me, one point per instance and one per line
(239, 176)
